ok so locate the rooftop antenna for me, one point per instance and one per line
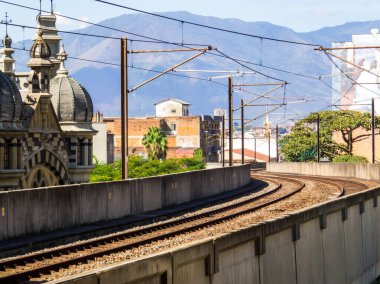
(40, 7)
(6, 22)
(51, 4)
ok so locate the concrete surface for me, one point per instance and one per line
(297, 249)
(34, 211)
(364, 171)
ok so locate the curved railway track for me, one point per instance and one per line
(23, 268)
(346, 186)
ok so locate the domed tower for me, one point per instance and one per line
(11, 130)
(40, 64)
(73, 106)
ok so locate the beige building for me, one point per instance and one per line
(172, 107)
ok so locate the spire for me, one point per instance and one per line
(51, 4)
(62, 57)
(6, 61)
(6, 22)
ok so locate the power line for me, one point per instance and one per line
(149, 39)
(152, 40)
(249, 68)
(207, 26)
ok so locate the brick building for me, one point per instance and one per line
(185, 135)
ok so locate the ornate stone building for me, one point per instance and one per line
(45, 130)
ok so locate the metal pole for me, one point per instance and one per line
(318, 141)
(124, 110)
(373, 130)
(230, 119)
(277, 155)
(269, 146)
(242, 132)
(255, 149)
(223, 140)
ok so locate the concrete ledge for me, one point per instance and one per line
(354, 170)
(35, 211)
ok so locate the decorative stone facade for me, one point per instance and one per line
(42, 142)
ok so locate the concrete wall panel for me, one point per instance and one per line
(309, 253)
(118, 198)
(152, 192)
(353, 242)
(193, 264)
(334, 251)
(278, 264)
(238, 265)
(147, 271)
(4, 215)
(368, 231)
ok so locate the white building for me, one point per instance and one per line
(172, 107)
(361, 66)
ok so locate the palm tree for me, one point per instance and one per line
(155, 143)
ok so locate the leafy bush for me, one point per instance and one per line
(138, 167)
(350, 159)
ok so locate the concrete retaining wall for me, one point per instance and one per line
(47, 209)
(363, 171)
(336, 242)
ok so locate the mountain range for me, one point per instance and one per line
(103, 80)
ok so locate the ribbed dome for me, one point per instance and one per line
(71, 101)
(10, 99)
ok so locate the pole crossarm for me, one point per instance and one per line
(214, 71)
(321, 48)
(260, 84)
(167, 70)
(169, 50)
(259, 97)
(269, 111)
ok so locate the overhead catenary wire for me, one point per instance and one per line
(152, 40)
(148, 39)
(207, 26)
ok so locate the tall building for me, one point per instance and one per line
(45, 117)
(358, 83)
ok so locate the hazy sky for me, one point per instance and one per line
(300, 15)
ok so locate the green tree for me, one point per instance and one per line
(155, 143)
(301, 143)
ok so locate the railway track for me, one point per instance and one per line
(346, 186)
(23, 268)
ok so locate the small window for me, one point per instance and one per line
(174, 110)
(6, 155)
(173, 127)
(80, 152)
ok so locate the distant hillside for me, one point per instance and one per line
(102, 81)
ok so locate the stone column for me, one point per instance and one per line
(13, 154)
(19, 153)
(90, 152)
(2, 153)
(85, 152)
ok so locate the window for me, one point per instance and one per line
(174, 110)
(6, 155)
(80, 152)
(173, 127)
